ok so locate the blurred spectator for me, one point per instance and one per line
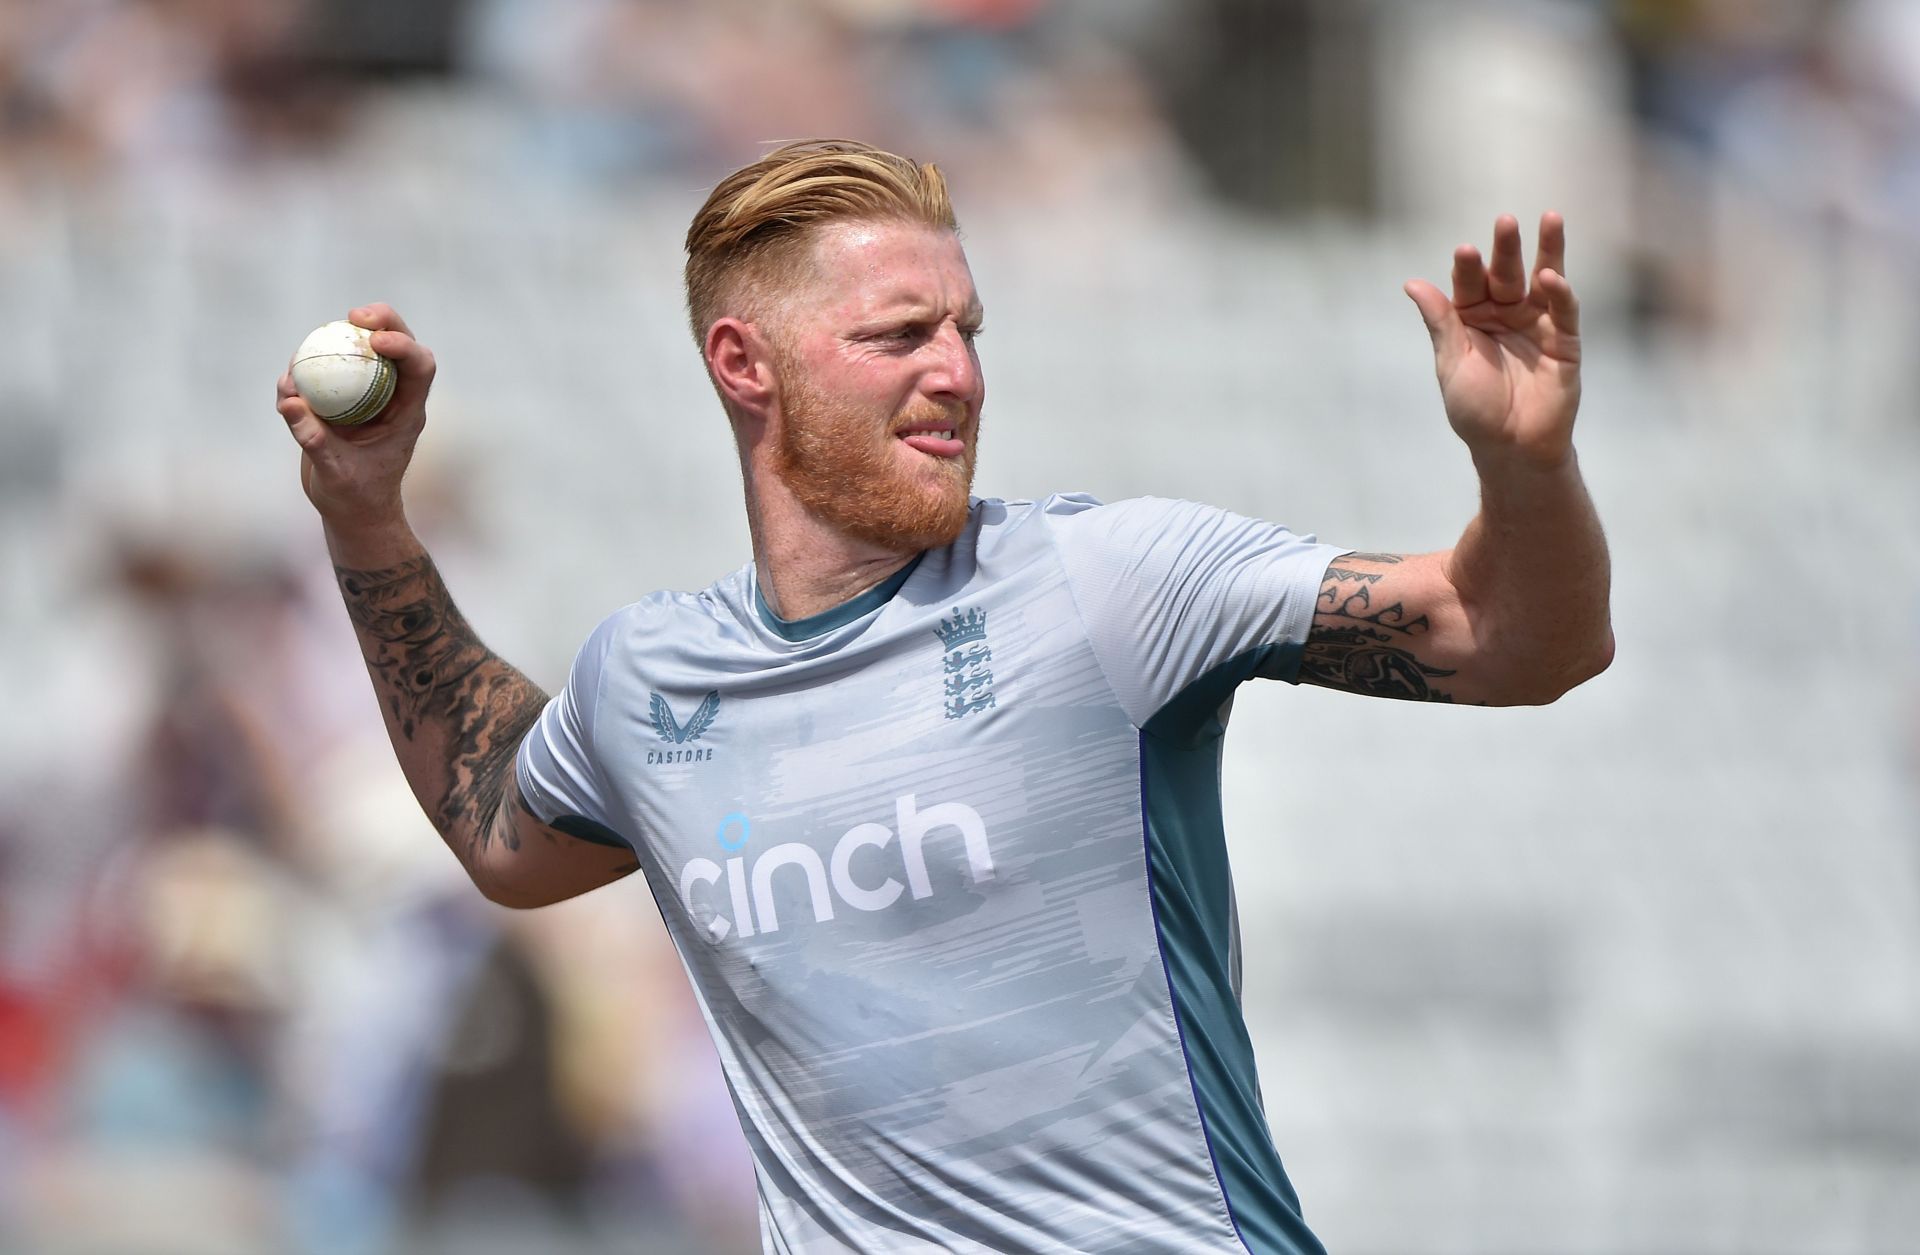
(1811, 106)
(618, 88)
(153, 90)
(1296, 78)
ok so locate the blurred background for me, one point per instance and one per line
(1637, 972)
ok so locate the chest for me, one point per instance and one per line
(878, 790)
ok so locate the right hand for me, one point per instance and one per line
(352, 474)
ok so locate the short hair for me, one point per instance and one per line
(761, 216)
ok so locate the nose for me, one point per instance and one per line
(955, 372)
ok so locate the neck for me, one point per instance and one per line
(805, 566)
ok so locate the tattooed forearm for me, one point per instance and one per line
(1359, 648)
(416, 641)
(456, 710)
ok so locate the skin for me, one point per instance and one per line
(454, 710)
(876, 339)
(1516, 612)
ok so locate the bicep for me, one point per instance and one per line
(1392, 625)
(525, 862)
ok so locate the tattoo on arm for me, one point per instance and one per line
(438, 682)
(1359, 649)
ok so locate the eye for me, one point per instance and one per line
(970, 334)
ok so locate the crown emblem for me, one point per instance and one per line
(963, 629)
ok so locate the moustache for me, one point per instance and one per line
(952, 414)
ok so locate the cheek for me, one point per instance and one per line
(870, 400)
(855, 386)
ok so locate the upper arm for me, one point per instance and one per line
(523, 862)
(1179, 597)
(1392, 625)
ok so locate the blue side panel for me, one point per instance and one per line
(1187, 865)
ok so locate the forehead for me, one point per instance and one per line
(864, 269)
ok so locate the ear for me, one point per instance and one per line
(741, 362)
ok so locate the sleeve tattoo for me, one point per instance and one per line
(436, 680)
(1358, 648)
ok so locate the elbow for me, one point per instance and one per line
(501, 891)
(1548, 684)
(1595, 660)
(508, 898)
(1602, 656)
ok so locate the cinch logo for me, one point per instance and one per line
(748, 897)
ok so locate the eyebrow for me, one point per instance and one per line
(918, 311)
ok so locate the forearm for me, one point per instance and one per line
(454, 710)
(1533, 577)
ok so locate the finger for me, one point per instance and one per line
(1552, 253)
(415, 366)
(309, 432)
(393, 339)
(1507, 276)
(284, 388)
(1438, 313)
(378, 316)
(413, 362)
(1563, 307)
(1469, 276)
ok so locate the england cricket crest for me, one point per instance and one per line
(969, 685)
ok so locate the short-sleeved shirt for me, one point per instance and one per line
(946, 868)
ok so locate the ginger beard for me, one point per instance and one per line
(852, 472)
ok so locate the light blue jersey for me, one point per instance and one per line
(946, 868)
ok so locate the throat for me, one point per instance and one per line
(801, 606)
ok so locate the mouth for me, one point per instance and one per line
(939, 442)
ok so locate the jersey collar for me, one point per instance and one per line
(839, 616)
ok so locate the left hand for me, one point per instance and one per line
(1507, 352)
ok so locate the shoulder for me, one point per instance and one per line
(1062, 523)
(1080, 520)
(1005, 515)
(995, 519)
(668, 622)
(1169, 544)
(1003, 527)
(1074, 522)
(651, 613)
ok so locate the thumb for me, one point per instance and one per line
(308, 430)
(1437, 312)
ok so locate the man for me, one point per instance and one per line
(928, 793)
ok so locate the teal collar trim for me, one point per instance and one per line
(844, 613)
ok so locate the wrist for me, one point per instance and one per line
(1514, 487)
(1521, 462)
(371, 544)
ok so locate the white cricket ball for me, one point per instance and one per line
(340, 376)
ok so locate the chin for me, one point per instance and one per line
(874, 490)
(908, 520)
